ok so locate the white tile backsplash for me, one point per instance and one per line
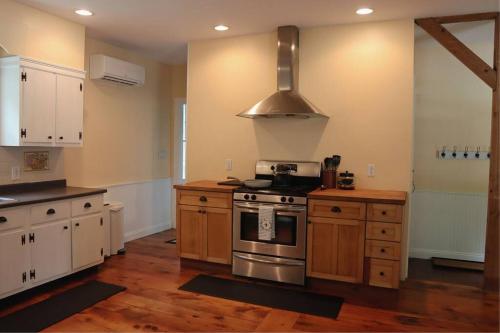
(14, 156)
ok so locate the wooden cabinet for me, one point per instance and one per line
(335, 249)
(87, 241)
(42, 104)
(50, 245)
(204, 220)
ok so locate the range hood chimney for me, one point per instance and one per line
(286, 102)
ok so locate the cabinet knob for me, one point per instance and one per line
(203, 198)
(61, 137)
(383, 231)
(49, 137)
(384, 212)
(51, 211)
(336, 209)
(3, 219)
(77, 224)
(382, 250)
(87, 205)
(65, 227)
(381, 273)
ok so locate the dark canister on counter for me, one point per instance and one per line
(346, 180)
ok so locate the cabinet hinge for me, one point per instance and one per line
(102, 251)
(23, 277)
(32, 274)
(23, 132)
(101, 221)
(24, 76)
(31, 237)
(81, 87)
(80, 135)
(23, 239)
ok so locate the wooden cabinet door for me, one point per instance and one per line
(189, 232)
(69, 110)
(217, 235)
(335, 249)
(88, 241)
(13, 261)
(51, 250)
(38, 104)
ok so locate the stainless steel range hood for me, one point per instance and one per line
(286, 102)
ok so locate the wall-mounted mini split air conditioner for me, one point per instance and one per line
(107, 68)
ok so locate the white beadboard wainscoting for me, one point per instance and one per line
(448, 225)
(147, 206)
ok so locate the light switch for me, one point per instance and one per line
(15, 173)
(229, 164)
(371, 170)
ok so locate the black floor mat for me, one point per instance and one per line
(38, 316)
(270, 296)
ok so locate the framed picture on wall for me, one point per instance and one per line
(36, 161)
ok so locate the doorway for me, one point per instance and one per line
(452, 117)
(179, 149)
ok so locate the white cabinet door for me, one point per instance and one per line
(50, 250)
(88, 240)
(69, 110)
(13, 261)
(38, 105)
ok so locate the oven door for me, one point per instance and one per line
(290, 230)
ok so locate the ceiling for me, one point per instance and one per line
(161, 29)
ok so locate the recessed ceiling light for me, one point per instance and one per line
(221, 27)
(84, 12)
(364, 11)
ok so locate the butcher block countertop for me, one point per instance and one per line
(374, 196)
(205, 185)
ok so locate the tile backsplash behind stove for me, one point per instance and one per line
(14, 157)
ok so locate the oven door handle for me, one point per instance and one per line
(263, 261)
(280, 208)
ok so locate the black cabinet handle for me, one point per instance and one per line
(77, 224)
(382, 250)
(51, 211)
(203, 198)
(3, 219)
(61, 137)
(65, 227)
(87, 205)
(50, 137)
(383, 231)
(384, 212)
(336, 209)
(381, 274)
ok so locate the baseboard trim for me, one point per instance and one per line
(428, 253)
(136, 234)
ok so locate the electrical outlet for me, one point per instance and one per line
(15, 173)
(371, 170)
(229, 164)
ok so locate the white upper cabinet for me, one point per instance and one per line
(40, 104)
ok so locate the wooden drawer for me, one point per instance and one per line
(12, 218)
(383, 231)
(337, 209)
(204, 199)
(87, 205)
(384, 273)
(385, 213)
(52, 211)
(382, 249)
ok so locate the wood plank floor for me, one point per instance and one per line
(152, 273)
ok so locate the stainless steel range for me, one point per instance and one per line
(282, 257)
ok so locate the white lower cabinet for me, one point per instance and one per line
(40, 243)
(88, 240)
(50, 251)
(13, 261)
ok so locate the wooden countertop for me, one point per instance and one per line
(205, 185)
(375, 196)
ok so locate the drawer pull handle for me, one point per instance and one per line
(77, 224)
(87, 205)
(383, 231)
(203, 198)
(381, 273)
(65, 227)
(3, 219)
(384, 212)
(382, 250)
(336, 209)
(51, 211)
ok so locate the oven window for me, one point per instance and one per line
(285, 229)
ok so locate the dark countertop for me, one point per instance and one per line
(33, 193)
